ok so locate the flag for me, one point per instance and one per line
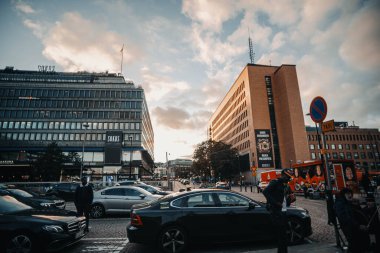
(122, 49)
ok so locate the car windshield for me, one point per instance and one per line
(21, 193)
(9, 205)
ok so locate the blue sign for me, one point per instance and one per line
(318, 109)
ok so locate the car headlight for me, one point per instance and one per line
(305, 214)
(53, 228)
(46, 204)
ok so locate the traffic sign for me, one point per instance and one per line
(318, 109)
(328, 126)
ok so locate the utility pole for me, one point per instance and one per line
(167, 171)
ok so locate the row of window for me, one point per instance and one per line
(346, 146)
(47, 114)
(346, 137)
(55, 93)
(56, 125)
(348, 155)
(61, 136)
(68, 104)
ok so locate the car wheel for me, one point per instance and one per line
(97, 211)
(295, 231)
(173, 239)
(20, 242)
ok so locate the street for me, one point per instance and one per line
(109, 234)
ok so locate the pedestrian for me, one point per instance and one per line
(305, 190)
(275, 194)
(366, 183)
(352, 221)
(83, 199)
(258, 186)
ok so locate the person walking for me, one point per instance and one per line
(84, 196)
(352, 222)
(275, 194)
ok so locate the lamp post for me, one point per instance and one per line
(130, 137)
(85, 125)
(167, 171)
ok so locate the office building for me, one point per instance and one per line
(100, 115)
(347, 142)
(261, 116)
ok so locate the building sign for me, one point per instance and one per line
(114, 137)
(264, 148)
(112, 155)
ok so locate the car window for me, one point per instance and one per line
(132, 192)
(63, 186)
(148, 188)
(73, 186)
(115, 191)
(228, 199)
(200, 200)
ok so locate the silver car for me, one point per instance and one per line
(118, 199)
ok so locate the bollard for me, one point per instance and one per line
(251, 189)
(245, 188)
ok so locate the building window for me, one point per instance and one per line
(312, 147)
(313, 156)
(354, 146)
(335, 155)
(367, 146)
(356, 155)
(340, 146)
(333, 146)
(363, 155)
(347, 146)
(370, 155)
(341, 155)
(360, 146)
(349, 156)
(328, 155)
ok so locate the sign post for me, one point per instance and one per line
(318, 112)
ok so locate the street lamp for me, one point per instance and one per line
(85, 125)
(130, 137)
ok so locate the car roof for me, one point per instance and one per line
(125, 187)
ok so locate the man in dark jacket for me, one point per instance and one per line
(352, 222)
(275, 193)
(83, 200)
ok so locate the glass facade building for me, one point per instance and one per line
(75, 110)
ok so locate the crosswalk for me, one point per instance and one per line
(103, 245)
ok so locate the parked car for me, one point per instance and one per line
(65, 190)
(222, 185)
(129, 182)
(153, 190)
(175, 220)
(34, 200)
(119, 199)
(24, 229)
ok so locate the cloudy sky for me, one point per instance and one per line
(186, 54)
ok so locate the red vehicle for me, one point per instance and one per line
(267, 176)
(312, 176)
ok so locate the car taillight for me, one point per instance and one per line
(136, 220)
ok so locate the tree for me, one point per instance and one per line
(215, 159)
(49, 164)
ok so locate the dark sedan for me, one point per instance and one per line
(34, 200)
(64, 190)
(175, 220)
(24, 229)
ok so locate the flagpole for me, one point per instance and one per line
(122, 56)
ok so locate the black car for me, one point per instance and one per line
(24, 229)
(152, 189)
(65, 190)
(206, 215)
(34, 200)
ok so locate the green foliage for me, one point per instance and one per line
(48, 165)
(215, 156)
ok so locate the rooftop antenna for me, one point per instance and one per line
(251, 53)
(122, 56)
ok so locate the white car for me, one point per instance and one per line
(119, 199)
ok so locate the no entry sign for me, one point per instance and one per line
(318, 109)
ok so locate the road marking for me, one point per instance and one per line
(106, 245)
(105, 238)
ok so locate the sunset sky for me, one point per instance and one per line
(187, 54)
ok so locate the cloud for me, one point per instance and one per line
(361, 47)
(79, 44)
(37, 29)
(24, 8)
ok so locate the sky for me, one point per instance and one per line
(187, 54)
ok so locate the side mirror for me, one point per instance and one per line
(251, 205)
(142, 196)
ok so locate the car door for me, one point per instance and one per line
(114, 200)
(245, 219)
(202, 218)
(134, 196)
